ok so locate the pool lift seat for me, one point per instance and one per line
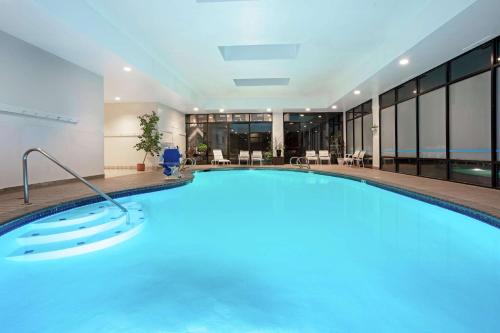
(172, 162)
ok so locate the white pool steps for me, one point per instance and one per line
(79, 231)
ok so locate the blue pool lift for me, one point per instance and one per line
(171, 162)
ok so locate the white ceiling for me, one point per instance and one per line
(172, 45)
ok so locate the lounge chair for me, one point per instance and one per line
(219, 158)
(359, 160)
(244, 155)
(311, 156)
(324, 155)
(257, 156)
(171, 162)
(349, 158)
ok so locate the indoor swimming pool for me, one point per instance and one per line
(258, 251)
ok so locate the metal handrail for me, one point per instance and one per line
(299, 162)
(65, 168)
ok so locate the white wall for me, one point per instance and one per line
(32, 78)
(121, 128)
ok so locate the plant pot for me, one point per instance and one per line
(278, 152)
(141, 167)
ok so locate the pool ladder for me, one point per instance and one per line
(68, 170)
(301, 162)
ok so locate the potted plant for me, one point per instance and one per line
(202, 148)
(149, 140)
(278, 146)
(268, 155)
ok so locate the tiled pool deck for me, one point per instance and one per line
(482, 199)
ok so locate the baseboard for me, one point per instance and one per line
(50, 183)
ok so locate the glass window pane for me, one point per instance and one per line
(388, 131)
(498, 118)
(349, 115)
(260, 136)
(407, 128)
(388, 99)
(261, 117)
(367, 107)
(407, 90)
(368, 134)
(197, 118)
(349, 137)
(241, 117)
(196, 134)
(217, 137)
(358, 134)
(432, 119)
(472, 62)
(238, 139)
(433, 79)
(471, 172)
(470, 118)
(433, 168)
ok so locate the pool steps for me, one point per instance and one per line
(77, 232)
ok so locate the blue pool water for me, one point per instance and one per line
(269, 251)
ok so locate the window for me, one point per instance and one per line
(238, 139)
(244, 117)
(368, 134)
(261, 117)
(196, 118)
(349, 137)
(388, 134)
(477, 60)
(407, 90)
(218, 137)
(433, 79)
(313, 131)
(470, 128)
(388, 99)
(358, 133)
(261, 137)
(407, 136)
(432, 124)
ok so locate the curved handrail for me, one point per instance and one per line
(65, 168)
(299, 161)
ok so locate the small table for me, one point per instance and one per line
(278, 160)
(340, 161)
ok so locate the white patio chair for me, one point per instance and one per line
(219, 158)
(359, 160)
(244, 155)
(257, 156)
(349, 158)
(311, 156)
(324, 155)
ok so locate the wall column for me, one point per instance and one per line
(278, 133)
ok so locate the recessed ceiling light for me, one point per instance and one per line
(357, 92)
(221, 110)
(269, 109)
(334, 107)
(404, 61)
(117, 98)
(127, 69)
(308, 109)
(196, 109)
